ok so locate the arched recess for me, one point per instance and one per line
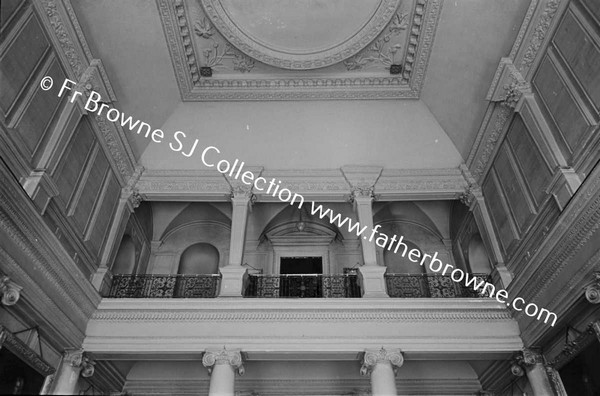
(396, 264)
(296, 233)
(199, 258)
(477, 256)
(125, 260)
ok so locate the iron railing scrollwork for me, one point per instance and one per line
(164, 286)
(303, 286)
(434, 286)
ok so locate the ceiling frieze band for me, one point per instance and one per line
(320, 185)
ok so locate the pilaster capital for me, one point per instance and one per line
(77, 358)
(11, 292)
(526, 359)
(362, 194)
(592, 292)
(372, 357)
(222, 357)
(471, 196)
(242, 195)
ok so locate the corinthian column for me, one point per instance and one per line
(222, 366)
(73, 364)
(381, 365)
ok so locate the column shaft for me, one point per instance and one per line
(538, 379)
(239, 218)
(371, 275)
(232, 281)
(72, 365)
(383, 381)
(222, 381)
(65, 381)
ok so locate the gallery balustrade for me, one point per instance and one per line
(291, 286)
(432, 286)
(303, 286)
(164, 286)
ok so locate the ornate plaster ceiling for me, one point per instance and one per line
(288, 50)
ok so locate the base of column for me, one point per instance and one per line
(232, 281)
(372, 281)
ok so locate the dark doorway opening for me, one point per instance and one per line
(301, 265)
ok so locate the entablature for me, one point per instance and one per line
(422, 328)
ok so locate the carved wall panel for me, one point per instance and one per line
(49, 144)
(568, 85)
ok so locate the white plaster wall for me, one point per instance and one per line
(307, 135)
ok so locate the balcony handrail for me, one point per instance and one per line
(431, 286)
(287, 275)
(171, 275)
(164, 286)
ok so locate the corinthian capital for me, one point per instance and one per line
(222, 357)
(373, 357)
(526, 359)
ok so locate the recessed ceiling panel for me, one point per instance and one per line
(300, 35)
(299, 49)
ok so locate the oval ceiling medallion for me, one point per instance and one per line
(300, 34)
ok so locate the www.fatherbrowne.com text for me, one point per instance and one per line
(210, 159)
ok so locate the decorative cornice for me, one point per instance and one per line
(348, 85)
(493, 133)
(373, 357)
(318, 185)
(222, 357)
(539, 33)
(285, 315)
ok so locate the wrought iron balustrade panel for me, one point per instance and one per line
(303, 286)
(433, 286)
(163, 286)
